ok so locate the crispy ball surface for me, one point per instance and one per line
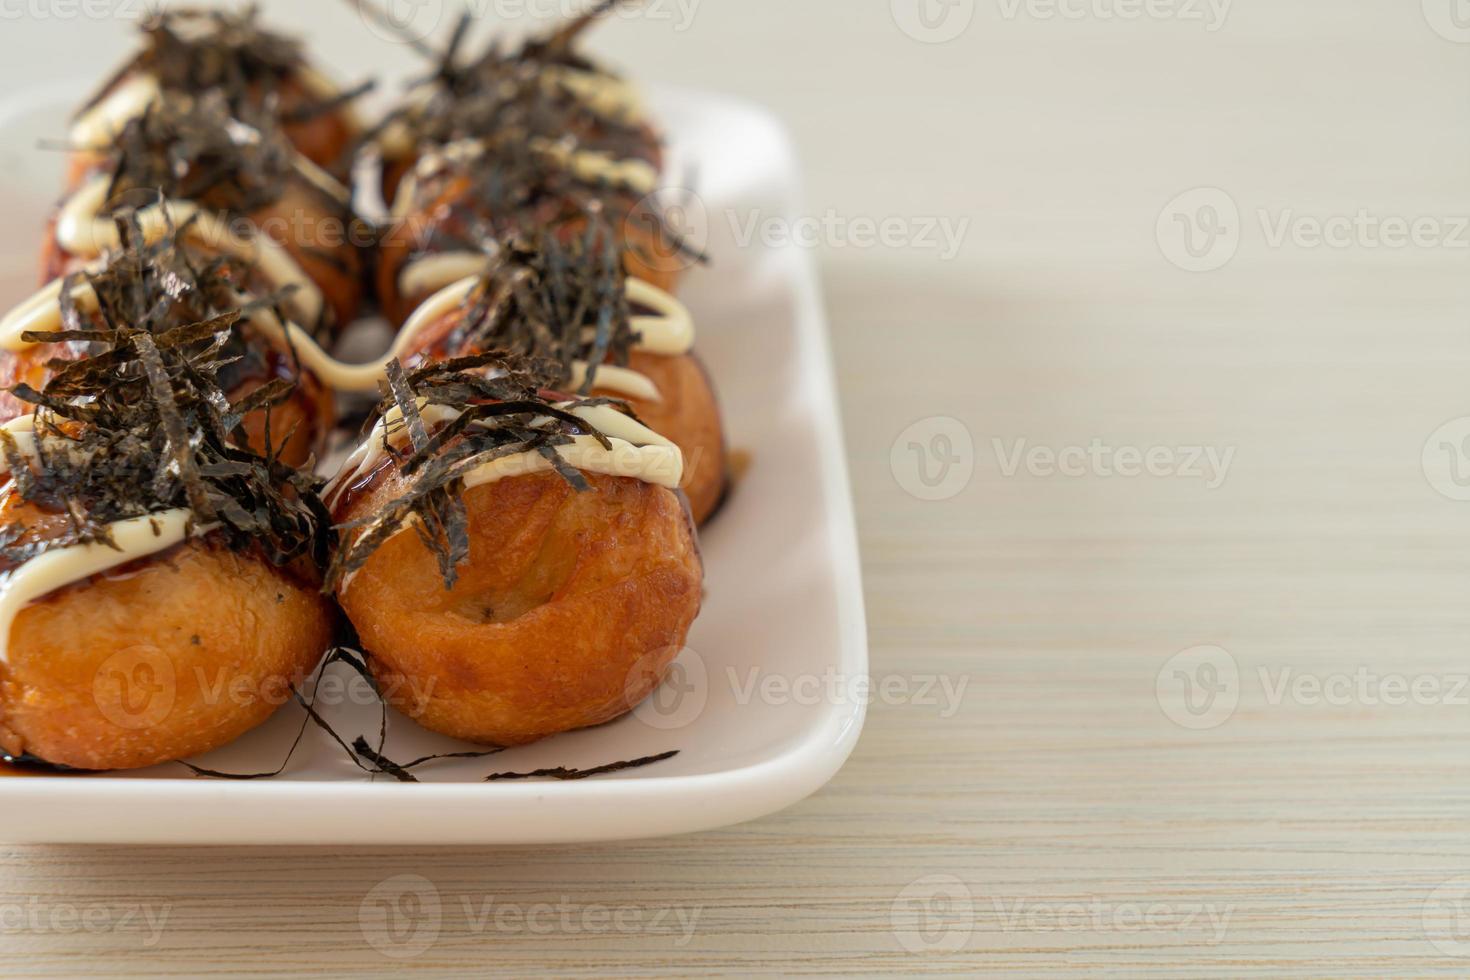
(689, 414)
(161, 659)
(567, 612)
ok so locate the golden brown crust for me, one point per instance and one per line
(321, 243)
(689, 414)
(325, 139)
(163, 659)
(567, 612)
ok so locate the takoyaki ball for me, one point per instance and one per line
(163, 658)
(567, 612)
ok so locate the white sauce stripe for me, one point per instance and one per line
(606, 95)
(136, 538)
(42, 313)
(619, 380)
(637, 451)
(668, 331)
(434, 272)
(81, 232)
(98, 126)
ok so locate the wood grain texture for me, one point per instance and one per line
(1053, 820)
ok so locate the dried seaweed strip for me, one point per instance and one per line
(563, 773)
(499, 416)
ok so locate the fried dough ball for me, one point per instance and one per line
(567, 612)
(164, 658)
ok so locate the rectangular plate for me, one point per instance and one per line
(764, 706)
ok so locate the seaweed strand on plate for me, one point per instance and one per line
(161, 585)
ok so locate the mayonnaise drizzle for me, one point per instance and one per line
(669, 331)
(42, 314)
(637, 451)
(81, 232)
(606, 95)
(639, 176)
(136, 537)
(99, 125)
(434, 272)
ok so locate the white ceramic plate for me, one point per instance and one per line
(767, 702)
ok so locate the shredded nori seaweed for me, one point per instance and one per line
(528, 130)
(503, 408)
(504, 87)
(139, 422)
(198, 150)
(559, 302)
(198, 49)
(563, 773)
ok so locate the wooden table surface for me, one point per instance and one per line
(1211, 718)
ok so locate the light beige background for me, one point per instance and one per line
(1052, 818)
